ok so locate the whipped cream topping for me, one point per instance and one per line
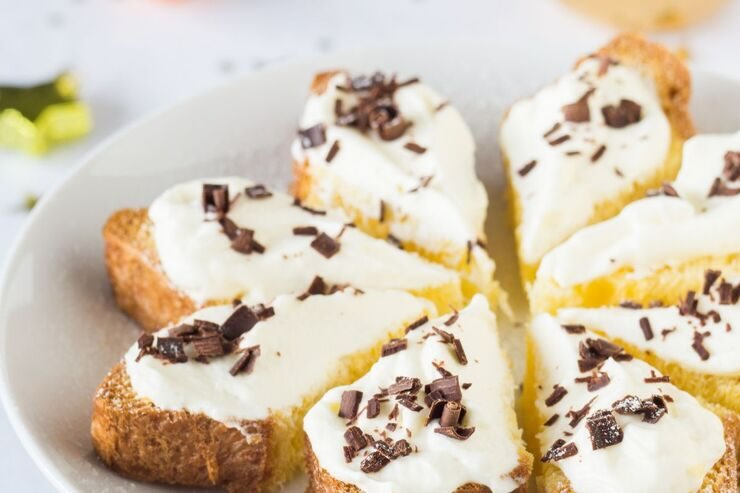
(300, 346)
(437, 462)
(663, 230)
(198, 259)
(579, 164)
(671, 334)
(668, 456)
(448, 206)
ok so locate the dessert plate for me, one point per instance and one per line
(60, 331)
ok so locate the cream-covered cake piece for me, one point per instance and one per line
(400, 160)
(597, 138)
(264, 244)
(253, 369)
(696, 342)
(657, 248)
(434, 414)
(605, 421)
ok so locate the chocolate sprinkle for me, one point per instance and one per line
(305, 231)
(216, 199)
(626, 113)
(315, 212)
(687, 306)
(393, 346)
(604, 429)
(312, 136)
(257, 192)
(599, 152)
(559, 140)
(332, 151)
(647, 330)
(417, 324)
(559, 451)
(698, 345)
(524, 170)
(632, 305)
(574, 329)
(350, 403)
(414, 147)
(552, 419)
(245, 364)
(325, 245)
(557, 394)
(241, 320)
(452, 319)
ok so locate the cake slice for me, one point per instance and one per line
(210, 241)
(596, 139)
(434, 414)
(657, 248)
(600, 420)
(399, 159)
(696, 343)
(219, 399)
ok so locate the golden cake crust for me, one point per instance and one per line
(138, 440)
(320, 481)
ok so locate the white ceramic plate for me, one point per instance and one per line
(60, 331)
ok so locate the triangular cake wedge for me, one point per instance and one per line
(434, 414)
(657, 248)
(210, 241)
(600, 420)
(400, 160)
(596, 139)
(219, 399)
(696, 342)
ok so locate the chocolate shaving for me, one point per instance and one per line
(665, 332)
(315, 212)
(459, 351)
(229, 227)
(448, 387)
(393, 346)
(557, 394)
(604, 429)
(417, 324)
(374, 462)
(593, 352)
(350, 403)
(687, 306)
(333, 150)
(578, 111)
(574, 329)
(244, 242)
(145, 340)
(452, 319)
(652, 409)
(698, 345)
(710, 276)
(257, 192)
(441, 369)
(325, 245)
(599, 152)
(559, 140)
(404, 385)
(524, 170)
(355, 438)
(172, 349)
(305, 231)
(577, 415)
(720, 189)
(626, 113)
(424, 182)
(731, 170)
(373, 408)
(456, 432)
(552, 130)
(245, 364)
(653, 378)
(552, 419)
(414, 147)
(451, 414)
(595, 381)
(216, 199)
(632, 305)
(409, 403)
(312, 136)
(559, 451)
(208, 346)
(647, 330)
(241, 320)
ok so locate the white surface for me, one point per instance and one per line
(57, 264)
(135, 57)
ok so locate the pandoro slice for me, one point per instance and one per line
(219, 399)
(400, 160)
(434, 414)
(600, 420)
(583, 147)
(696, 342)
(210, 241)
(657, 248)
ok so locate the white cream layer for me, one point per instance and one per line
(675, 346)
(443, 216)
(198, 259)
(559, 194)
(670, 456)
(441, 464)
(658, 231)
(301, 345)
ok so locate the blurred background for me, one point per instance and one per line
(73, 72)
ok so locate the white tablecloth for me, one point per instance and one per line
(133, 57)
